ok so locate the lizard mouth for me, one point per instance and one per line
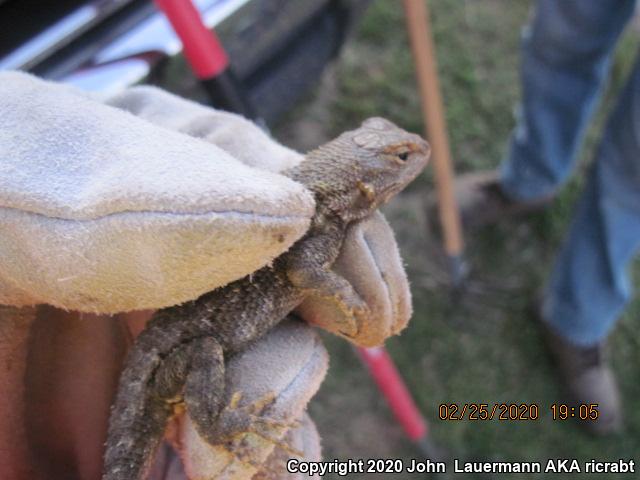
(389, 192)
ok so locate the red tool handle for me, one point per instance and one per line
(201, 46)
(395, 391)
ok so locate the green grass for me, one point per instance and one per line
(484, 347)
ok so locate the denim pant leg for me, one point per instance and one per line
(565, 57)
(590, 284)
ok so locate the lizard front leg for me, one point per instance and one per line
(309, 268)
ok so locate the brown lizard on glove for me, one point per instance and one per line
(179, 357)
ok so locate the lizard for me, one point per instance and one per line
(178, 359)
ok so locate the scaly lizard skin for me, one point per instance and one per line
(179, 357)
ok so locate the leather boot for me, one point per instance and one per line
(482, 201)
(588, 380)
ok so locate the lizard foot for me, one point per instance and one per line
(353, 312)
(352, 307)
(234, 421)
(245, 451)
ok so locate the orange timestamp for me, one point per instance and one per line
(583, 411)
(485, 411)
(515, 411)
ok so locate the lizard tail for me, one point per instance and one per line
(130, 451)
(150, 383)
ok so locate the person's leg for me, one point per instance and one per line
(565, 54)
(565, 57)
(589, 285)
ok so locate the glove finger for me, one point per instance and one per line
(234, 134)
(102, 211)
(370, 261)
(288, 363)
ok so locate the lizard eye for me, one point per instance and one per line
(403, 156)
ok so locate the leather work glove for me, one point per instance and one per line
(111, 207)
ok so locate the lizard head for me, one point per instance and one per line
(352, 175)
(384, 158)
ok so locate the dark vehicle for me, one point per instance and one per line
(278, 48)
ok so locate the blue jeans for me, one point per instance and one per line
(566, 54)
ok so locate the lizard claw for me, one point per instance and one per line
(350, 305)
(236, 420)
(355, 312)
(237, 423)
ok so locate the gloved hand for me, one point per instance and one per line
(105, 211)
